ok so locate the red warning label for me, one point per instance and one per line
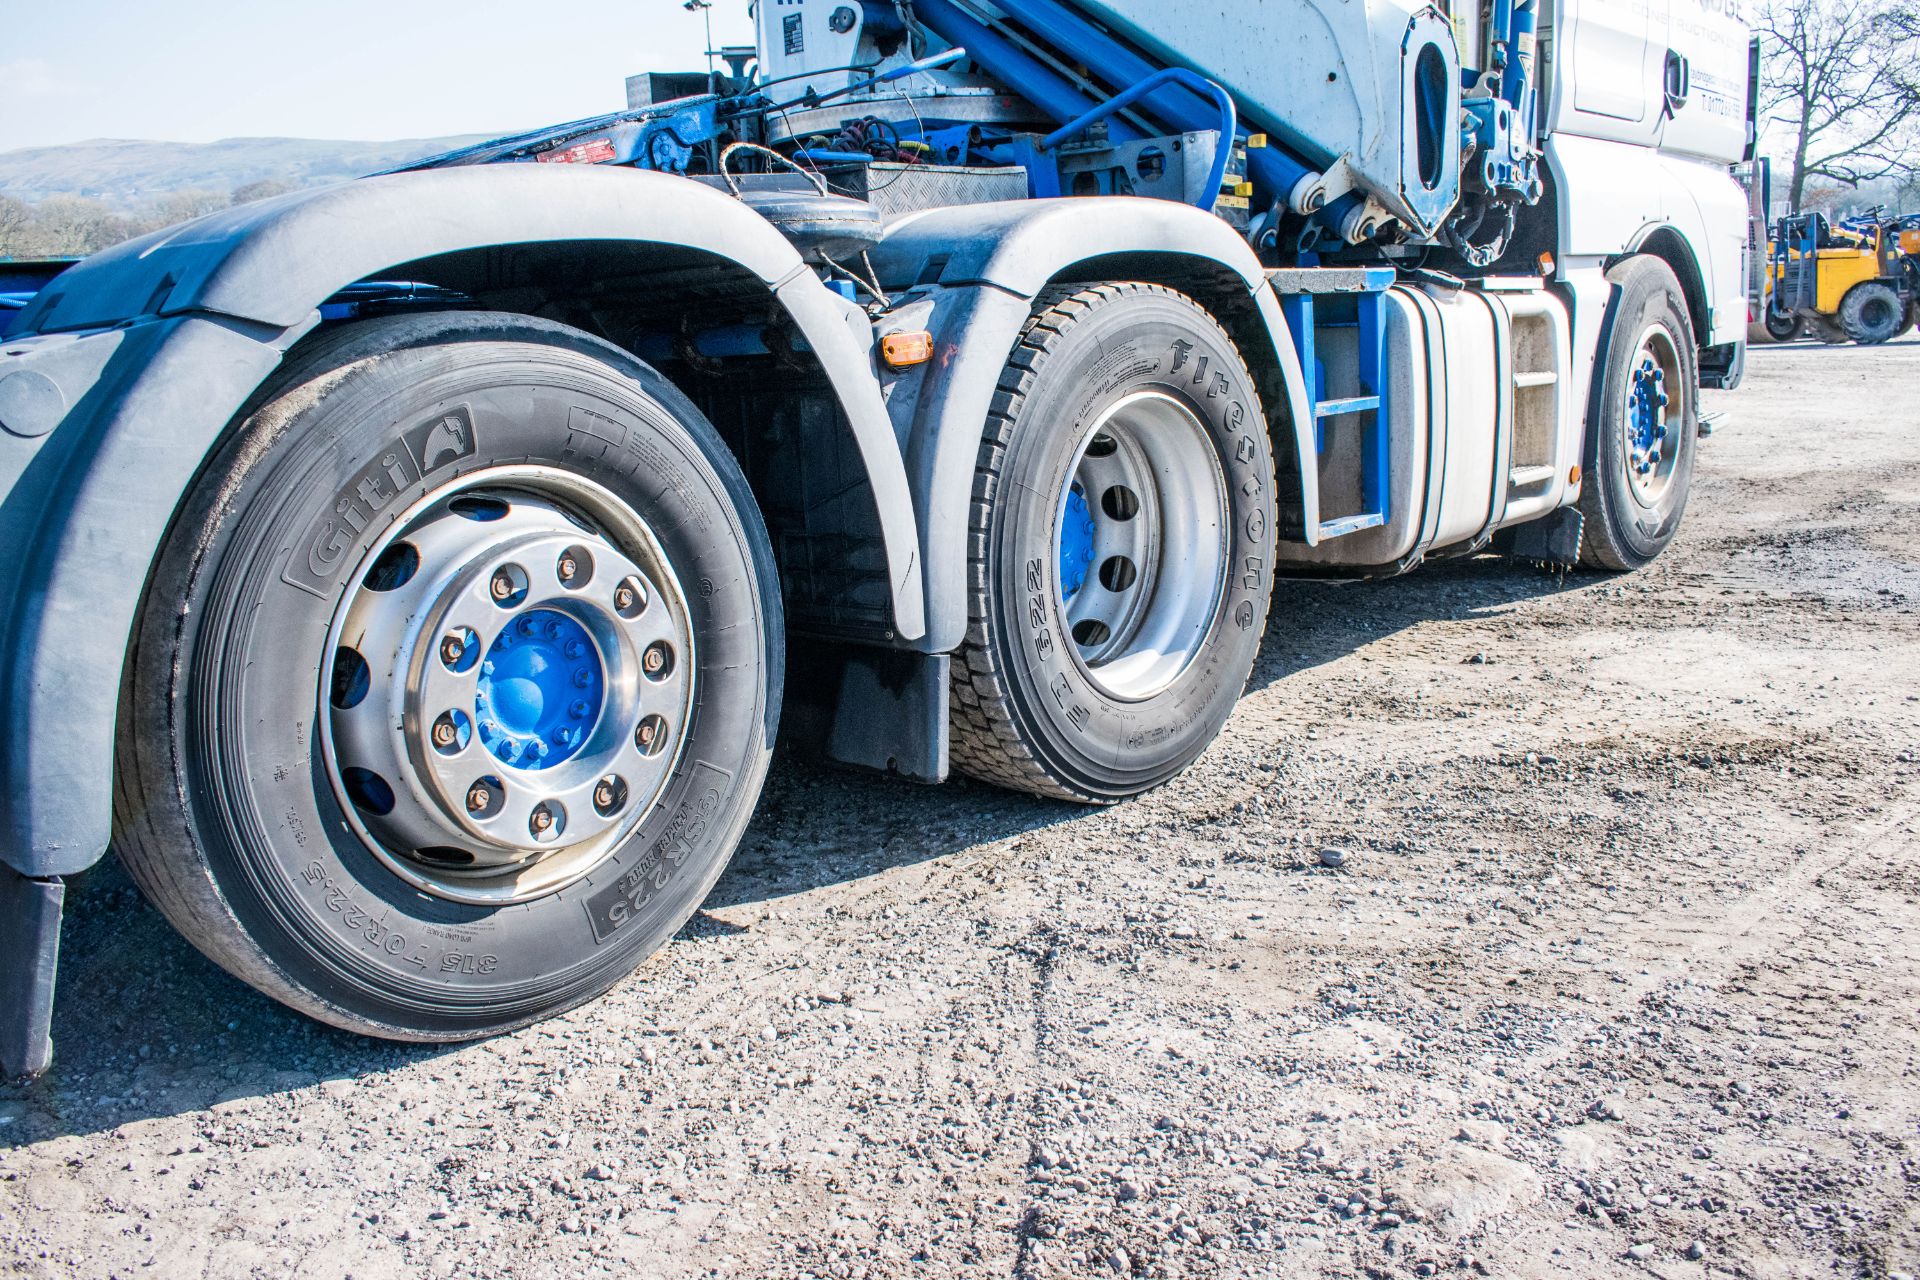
(592, 151)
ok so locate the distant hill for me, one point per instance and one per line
(127, 174)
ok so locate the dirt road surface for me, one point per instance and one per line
(1615, 971)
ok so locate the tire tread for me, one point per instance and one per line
(985, 740)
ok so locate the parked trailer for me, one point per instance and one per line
(408, 577)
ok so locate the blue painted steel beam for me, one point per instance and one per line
(1013, 66)
(1274, 171)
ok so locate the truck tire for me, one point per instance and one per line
(1642, 422)
(1872, 313)
(456, 678)
(1121, 547)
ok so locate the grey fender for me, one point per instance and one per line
(988, 262)
(125, 371)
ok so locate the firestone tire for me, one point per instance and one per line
(324, 505)
(1642, 423)
(1122, 542)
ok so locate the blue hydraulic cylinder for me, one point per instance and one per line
(1513, 85)
(1055, 95)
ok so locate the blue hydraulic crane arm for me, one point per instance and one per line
(1180, 105)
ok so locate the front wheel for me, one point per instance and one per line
(1642, 421)
(456, 682)
(1872, 313)
(1122, 540)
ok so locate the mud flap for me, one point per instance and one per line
(29, 952)
(1551, 540)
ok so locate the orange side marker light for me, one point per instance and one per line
(907, 348)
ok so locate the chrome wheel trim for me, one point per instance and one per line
(1134, 633)
(599, 791)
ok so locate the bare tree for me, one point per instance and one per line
(1843, 78)
(15, 220)
(263, 189)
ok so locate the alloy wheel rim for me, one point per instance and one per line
(507, 685)
(1140, 545)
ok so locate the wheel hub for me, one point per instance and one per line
(1650, 427)
(1646, 406)
(1076, 543)
(507, 677)
(539, 690)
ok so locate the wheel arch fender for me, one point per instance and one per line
(1668, 243)
(150, 350)
(981, 267)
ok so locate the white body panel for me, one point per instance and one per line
(1615, 196)
(1608, 64)
(1712, 122)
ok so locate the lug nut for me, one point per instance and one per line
(542, 820)
(654, 660)
(603, 793)
(444, 733)
(478, 798)
(625, 598)
(645, 734)
(501, 586)
(451, 649)
(567, 568)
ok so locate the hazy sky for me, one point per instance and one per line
(196, 70)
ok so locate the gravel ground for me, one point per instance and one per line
(1517, 924)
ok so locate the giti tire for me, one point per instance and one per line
(1642, 422)
(1122, 544)
(1872, 313)
(456, 680)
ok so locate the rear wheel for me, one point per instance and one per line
(1872, 313)
(1123, 526)
(456, 682)
(1642, 421)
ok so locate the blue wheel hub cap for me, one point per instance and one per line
(540, 689)
(1076, 543)
(1646, 410)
